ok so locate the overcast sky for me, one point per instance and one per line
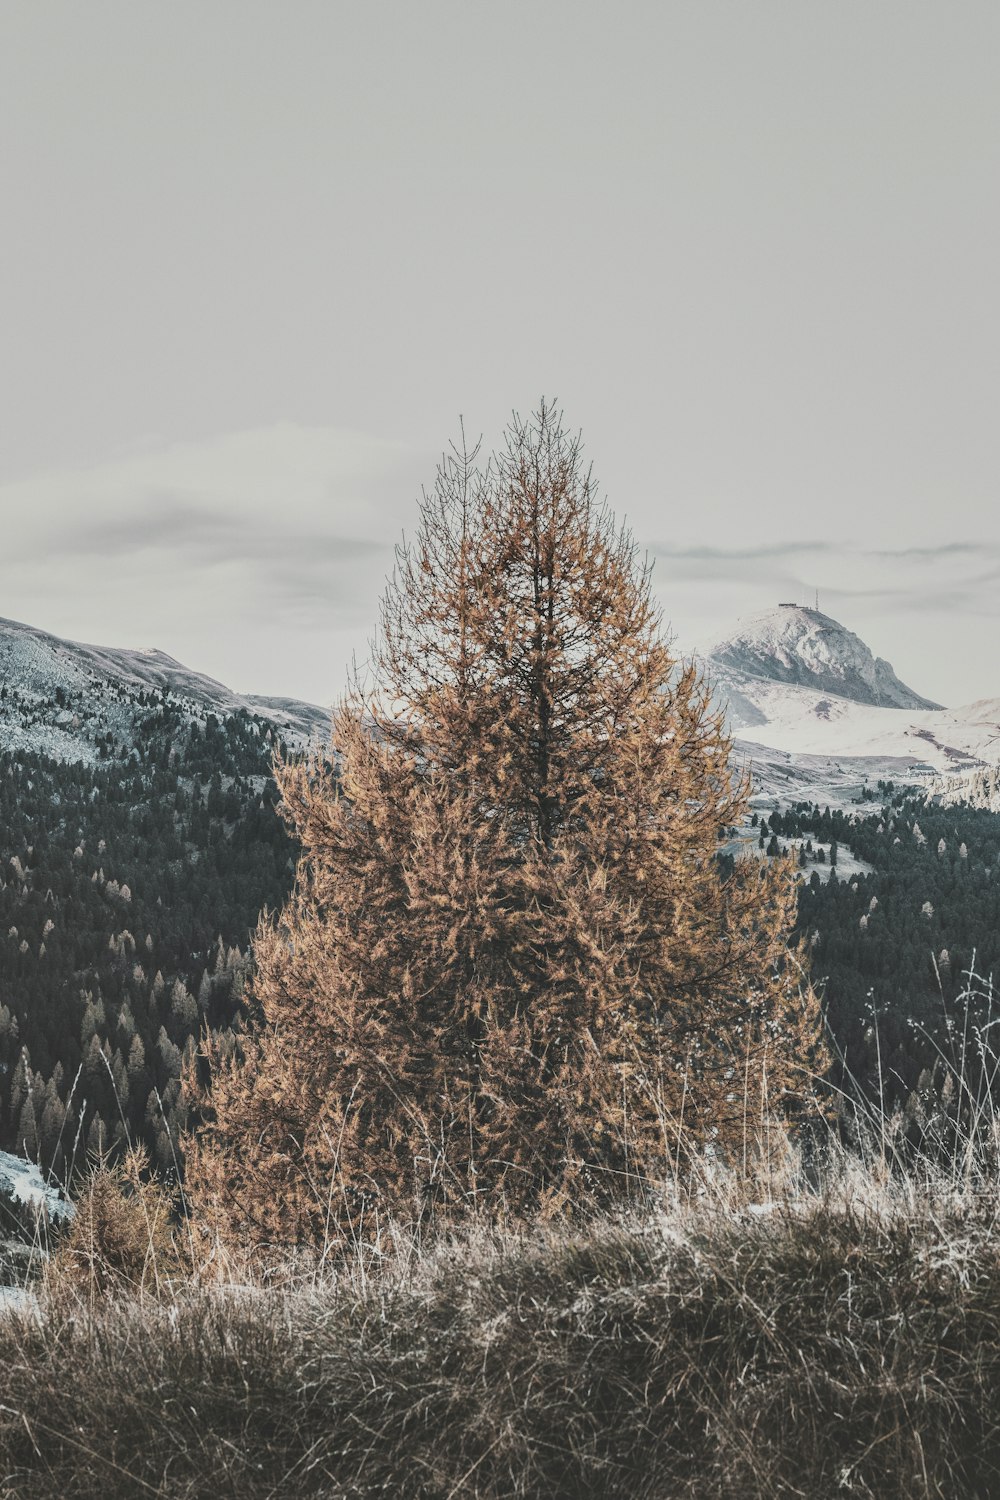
(255, 260)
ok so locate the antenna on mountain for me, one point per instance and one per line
(817, 601)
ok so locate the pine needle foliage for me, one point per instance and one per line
(513, 972)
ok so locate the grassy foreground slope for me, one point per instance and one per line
(847, 1344)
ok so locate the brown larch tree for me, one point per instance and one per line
(513, 970)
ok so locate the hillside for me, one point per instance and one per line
(139, 843)
(894, 929)
(818, 1343)
(64, 699)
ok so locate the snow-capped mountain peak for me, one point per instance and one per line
(804, 647)
(818, 715)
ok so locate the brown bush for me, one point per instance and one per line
(122, 1237)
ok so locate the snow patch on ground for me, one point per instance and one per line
(746, 845)
(23, 1180)
(802, 721)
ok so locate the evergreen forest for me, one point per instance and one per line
(903, 954)
(129, 889)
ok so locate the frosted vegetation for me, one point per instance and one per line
(823, 1332)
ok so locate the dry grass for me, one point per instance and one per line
(838, 1336)
(838, 1342)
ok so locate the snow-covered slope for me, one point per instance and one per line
(813, 709)
(23, 1181)
(808, 722)
(59, 696)
(792, 644)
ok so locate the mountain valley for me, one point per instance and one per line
(139, 843)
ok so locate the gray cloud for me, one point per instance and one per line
(260, 557)
(960, 575)
(766, 550)
(209, 535)
(739, 554)
(968, 596)
(944, 549)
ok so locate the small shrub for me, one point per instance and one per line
(122, 1236)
